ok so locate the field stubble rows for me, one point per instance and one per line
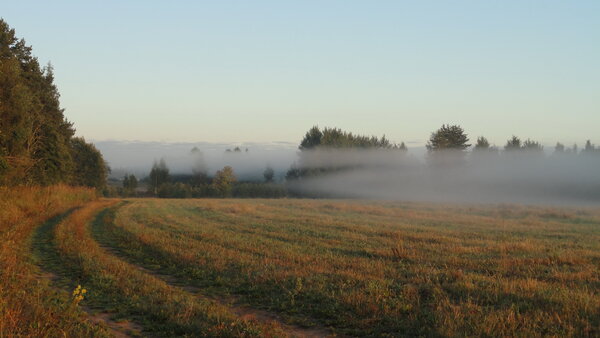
(122, 290)
(379, 268)
(294, 268)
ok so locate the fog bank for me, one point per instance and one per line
(508, 177)
(137, 157)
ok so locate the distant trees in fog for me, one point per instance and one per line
(448, 137)
(130, 184)
(590, 148)
(482, 143)
(329, 151)
(337, 138)
(199, 170)
(531, 145)
(514, 143)
(521, 172)
(447, 145)
(268, 174)
(158, 175)
(223, 181)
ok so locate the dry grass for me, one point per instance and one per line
(383, 268)
(165, 310)
(28, 306)
(360, 268)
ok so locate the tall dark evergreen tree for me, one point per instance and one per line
(448, 137)
(482, 144)
(312, 138)
(483, 149)
(531, 145)
(514, 143)
(447, 145)
(36, 145)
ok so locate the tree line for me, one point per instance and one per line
(161, 183)
(447, 145)
(37, 143)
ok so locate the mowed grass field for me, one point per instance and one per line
(367, 268)
(292, 267)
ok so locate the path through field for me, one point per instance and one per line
(308, 268)
(122, 318)
(243, 311)
(50, 268)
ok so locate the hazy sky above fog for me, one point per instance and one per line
(234, 71)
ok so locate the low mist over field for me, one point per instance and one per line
(137, 157)
(508, 177)
(534, 177)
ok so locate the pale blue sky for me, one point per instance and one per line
(234, 71)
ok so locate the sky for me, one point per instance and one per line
(266, 71)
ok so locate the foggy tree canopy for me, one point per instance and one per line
(330, 139)
(521, 173)
(337, 138)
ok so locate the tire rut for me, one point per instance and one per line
(46, 256)
(242, 311)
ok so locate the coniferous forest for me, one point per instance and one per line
(37, 143)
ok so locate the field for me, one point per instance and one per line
(321, 267)
(29, 306)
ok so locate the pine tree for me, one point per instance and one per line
(448, 137)
(514, 143)
(482, 144)
(35, 137)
